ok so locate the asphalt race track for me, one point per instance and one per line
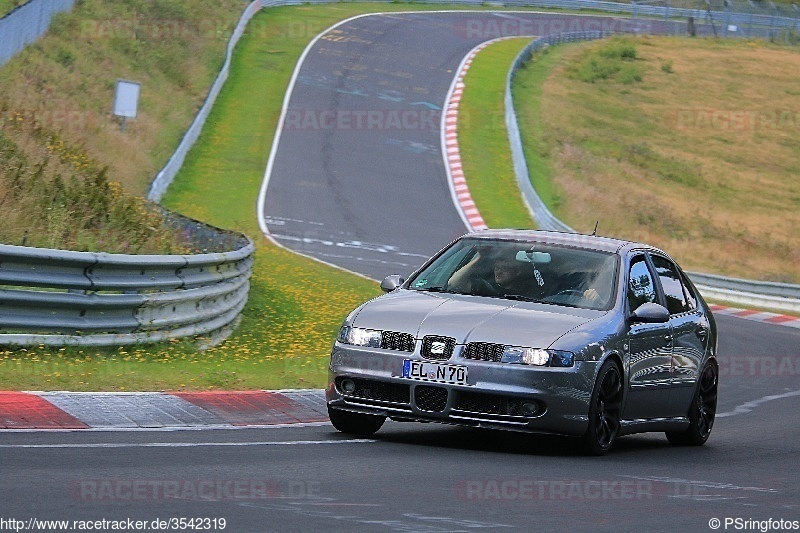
(375, 200)
(418, 477)
(357, 177)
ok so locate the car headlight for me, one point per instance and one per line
(360, 337)
(537, 357)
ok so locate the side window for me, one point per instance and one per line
(641, 288)
(446, 264)
(672, 285)
(691, 299)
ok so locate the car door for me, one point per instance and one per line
(649, 348)
(689, 331)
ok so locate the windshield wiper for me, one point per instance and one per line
(520, 297)
(439, 289)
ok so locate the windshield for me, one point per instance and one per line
(525, 271)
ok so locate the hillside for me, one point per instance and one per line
(689, 144)
(59, 142)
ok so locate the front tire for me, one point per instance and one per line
(604, 410)
(702, 411)
(355, 423)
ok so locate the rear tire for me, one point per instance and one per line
(355, 423)
(604, 410)
(702, 411)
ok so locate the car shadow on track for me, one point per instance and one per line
(488, 440)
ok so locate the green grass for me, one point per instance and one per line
(613, 61)
(8, 5)
(482, 138)
(645, 159)
(63, 84)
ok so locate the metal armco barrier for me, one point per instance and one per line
(27, 23)
(57, 297)
(782, 296)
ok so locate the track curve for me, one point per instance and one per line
(357, 177)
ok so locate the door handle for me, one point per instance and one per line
(668, 338)
(701, 332)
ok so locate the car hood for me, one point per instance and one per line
(471, 318)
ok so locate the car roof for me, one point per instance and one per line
(578, 240)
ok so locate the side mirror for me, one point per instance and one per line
(651, 313)
(392, 282)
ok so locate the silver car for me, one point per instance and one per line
(533, 331)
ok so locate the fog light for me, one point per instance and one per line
(529, 408)
(348, 386)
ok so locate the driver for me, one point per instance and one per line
(515, 277)
(498, 275)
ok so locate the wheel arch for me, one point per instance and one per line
(617, 358)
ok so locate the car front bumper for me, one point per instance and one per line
(497, 395)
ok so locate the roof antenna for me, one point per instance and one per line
(594, 233)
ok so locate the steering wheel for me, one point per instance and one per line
(481, 286)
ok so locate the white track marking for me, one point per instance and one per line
(188, 444)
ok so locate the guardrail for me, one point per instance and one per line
(165, 176)
(26, 23)
(58, 297)
(771, 295)
(780, 296)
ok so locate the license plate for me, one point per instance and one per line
(441, 373)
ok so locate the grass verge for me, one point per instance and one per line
(7, 5)
(483, 141)
(695, 154)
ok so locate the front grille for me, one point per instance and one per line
(379, 391)
(403, 342)
(484, 351)
(432, 399)
(438, 348)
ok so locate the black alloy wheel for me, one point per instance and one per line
(702, 411)
(604, 410)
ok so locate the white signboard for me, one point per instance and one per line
(126, 99)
